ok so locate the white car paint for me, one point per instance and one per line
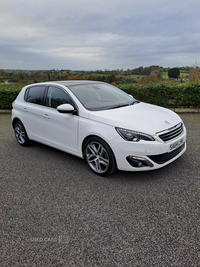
(138, 117)
(67, 132)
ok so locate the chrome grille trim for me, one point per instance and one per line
(172, 133)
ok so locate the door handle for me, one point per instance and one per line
(25, 110)
(46, 116)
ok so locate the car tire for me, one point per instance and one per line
(20, 134)
(99, 156)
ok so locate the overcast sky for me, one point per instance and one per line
(98, 34)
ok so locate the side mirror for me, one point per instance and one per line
(65, 108)
(130, 95)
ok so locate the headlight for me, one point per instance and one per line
(134, 136)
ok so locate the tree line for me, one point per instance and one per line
(151, 74)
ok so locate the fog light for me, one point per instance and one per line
(138, 162)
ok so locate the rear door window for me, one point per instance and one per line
(35, 95)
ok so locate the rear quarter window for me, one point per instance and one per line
(35, 95)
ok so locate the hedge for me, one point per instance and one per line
(168, 95)
(7, 97)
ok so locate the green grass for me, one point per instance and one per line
(98, 74)
(136, 76)
(164, 74)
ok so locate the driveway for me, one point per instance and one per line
(56, 212)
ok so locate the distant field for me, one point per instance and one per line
(164, 74)
(98, 74)
(8, 81)
(136, 76)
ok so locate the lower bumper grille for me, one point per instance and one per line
(162, 158)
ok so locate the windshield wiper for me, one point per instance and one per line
(134, 102)
(125, 105)
(119, 106)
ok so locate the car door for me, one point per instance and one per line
(60, 129)
(31, 114)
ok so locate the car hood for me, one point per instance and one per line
(139, 117)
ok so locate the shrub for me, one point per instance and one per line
(161, 94)
(167, 94)
(194, 74)
(149, 79)
(8, 93)
(7, 97)
(173, 73)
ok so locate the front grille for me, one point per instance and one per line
(162, 158)
(172, 133)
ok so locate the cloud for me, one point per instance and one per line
(98, 34)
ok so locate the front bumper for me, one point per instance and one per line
(147, 155)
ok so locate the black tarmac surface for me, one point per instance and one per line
(56, 212)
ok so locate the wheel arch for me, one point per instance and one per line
(15, 120)
(26, 140)
(85, 140)
(95, 136)
(113, 167)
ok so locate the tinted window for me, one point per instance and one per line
(56, 97)
(35, 95)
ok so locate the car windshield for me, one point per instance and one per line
(101, 96)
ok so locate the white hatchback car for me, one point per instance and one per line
(100, 123)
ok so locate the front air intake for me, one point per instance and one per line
(162, 158)
(172, 133)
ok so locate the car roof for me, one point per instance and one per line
(72, 82)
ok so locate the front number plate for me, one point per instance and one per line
(176, 144)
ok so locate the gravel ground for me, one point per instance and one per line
(56, 212)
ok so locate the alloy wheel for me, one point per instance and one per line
(97, 157)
